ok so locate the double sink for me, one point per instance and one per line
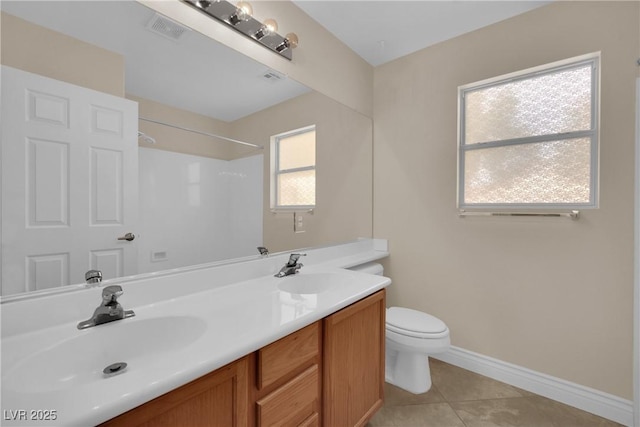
(107, 369)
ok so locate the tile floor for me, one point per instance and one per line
(460, 398)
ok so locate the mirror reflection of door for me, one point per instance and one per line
(69, 183)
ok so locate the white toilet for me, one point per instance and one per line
(411, 336)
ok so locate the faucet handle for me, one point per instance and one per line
(293, 259)
(93, 276)
(111, 293)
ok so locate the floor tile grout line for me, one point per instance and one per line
(457, 415)
(491, 398)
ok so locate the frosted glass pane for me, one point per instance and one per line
(297, 151)
(297, 188)
(545, 172)
(547, 104)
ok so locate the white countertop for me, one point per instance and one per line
(221, 324)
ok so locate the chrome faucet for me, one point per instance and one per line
(292, 266)
(109, 310)
(263, 250)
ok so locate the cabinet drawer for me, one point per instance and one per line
(312, 421)
(287, 354)
(292, 404)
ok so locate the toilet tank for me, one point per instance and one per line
(370, 268)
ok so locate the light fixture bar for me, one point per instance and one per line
(232, 16)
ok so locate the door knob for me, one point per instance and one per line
(128, 237)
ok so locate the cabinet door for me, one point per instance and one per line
(217, 399)
(353, 375)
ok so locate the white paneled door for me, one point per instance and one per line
(69, 183)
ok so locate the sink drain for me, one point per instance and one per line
(114, 368)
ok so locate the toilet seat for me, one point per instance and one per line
(413, 323)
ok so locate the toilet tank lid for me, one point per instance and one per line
(413, 320)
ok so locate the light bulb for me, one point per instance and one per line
(293, 40)
(243, 13)
(289, 42)
(269, 27)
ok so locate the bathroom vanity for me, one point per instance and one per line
(329, 373)
(215, 345)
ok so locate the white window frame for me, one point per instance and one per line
(592, 134)
(276, 171)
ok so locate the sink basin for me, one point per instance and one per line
(311, 283)
(80, 359)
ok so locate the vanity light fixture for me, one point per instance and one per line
(269, 27)
(290, 42)
(203, 4)
(239, 16)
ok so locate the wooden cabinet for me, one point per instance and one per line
(293, 403)
(299, 349)
(288, 387)
(353, 359)
(216, 399)
(329, 373)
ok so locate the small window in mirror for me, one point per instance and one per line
(293, 169)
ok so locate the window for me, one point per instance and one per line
(293, 169)
(530, 139)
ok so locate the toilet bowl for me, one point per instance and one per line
(411, 336)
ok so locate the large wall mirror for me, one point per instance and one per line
(197, 198)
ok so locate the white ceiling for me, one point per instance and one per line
(198, 74)
(381, 31)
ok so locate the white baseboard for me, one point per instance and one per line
(588, 399)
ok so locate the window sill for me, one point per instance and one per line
(293, 209)
(573, 214)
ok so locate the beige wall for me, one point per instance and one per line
(343, 172)
(321, 61)
(41, 51)
(552, 295)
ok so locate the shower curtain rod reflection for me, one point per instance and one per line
(212, 135)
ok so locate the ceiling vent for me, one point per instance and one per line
(272, 76)
(167, 28)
